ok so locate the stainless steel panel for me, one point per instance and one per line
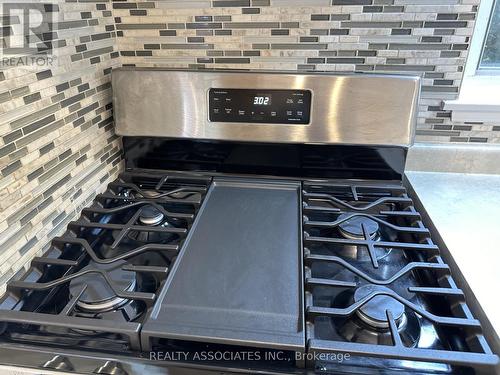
(238, 278)
(346, 109)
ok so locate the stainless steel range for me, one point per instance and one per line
(261, 225)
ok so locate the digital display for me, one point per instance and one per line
(262, 100)
(260, 106)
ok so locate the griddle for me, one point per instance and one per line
(238, 279)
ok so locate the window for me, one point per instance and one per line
(479, 98)
(490, 57)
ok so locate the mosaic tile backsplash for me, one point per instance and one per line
(57, 145)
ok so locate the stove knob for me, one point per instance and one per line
(110, 368)
(59, 362)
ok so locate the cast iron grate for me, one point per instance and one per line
(368, 236)
(39, 305)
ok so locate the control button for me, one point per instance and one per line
(261, 113)
(300, 101)
(289, 101)
(228, 110)
(228, 99)
(273, 114)
(253, 113)
(299, 113)
(216, 110)
(288, 113)
(215, 99)
(240, 112)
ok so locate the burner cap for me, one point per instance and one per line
(352, 228)
(98, 296)
(374, 311)
(150, 215)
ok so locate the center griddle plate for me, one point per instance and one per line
(238, 279)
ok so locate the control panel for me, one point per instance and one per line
(259, 106)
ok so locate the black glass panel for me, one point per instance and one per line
(290, 160)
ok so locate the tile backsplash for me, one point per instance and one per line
(57, 145)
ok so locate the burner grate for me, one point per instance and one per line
(410, 274)
(105, 243)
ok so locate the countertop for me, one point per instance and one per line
(465, 210)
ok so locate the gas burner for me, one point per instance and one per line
(352, 228)
(98, 296)
(369, 324)
(150, 215)
(373, 312)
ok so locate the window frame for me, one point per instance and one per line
(481, 28)
(477, 100)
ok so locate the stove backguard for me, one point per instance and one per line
(268, 107)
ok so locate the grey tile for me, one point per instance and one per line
(250, 11)
(168, 33)
(33, 175)
(293, 46)
(319, 32)
(251, 25)
(405, 68)
(11, 168)
(339, 31)
(203, 18)
(225, 18)
(187, 46)
(11, 137)
(320, 17)
(232, 60)
(289, 25)
(223, 32)
(140, 26)
(44, 75)
(39, 133)
(231, 3)
(6, 150)
(370, 24)
(445, 24)
(98, 51)
(38, 124)
(443, 89)
(204, 25)
(419, 46)
(72, 100)
(345, 60)
(478, 139)
(28, 119)
(308, 39)
(4, 96)
(280, 32)
(32, 98)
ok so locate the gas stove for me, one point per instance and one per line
(261, 226)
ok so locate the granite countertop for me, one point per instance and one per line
(465, 210)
